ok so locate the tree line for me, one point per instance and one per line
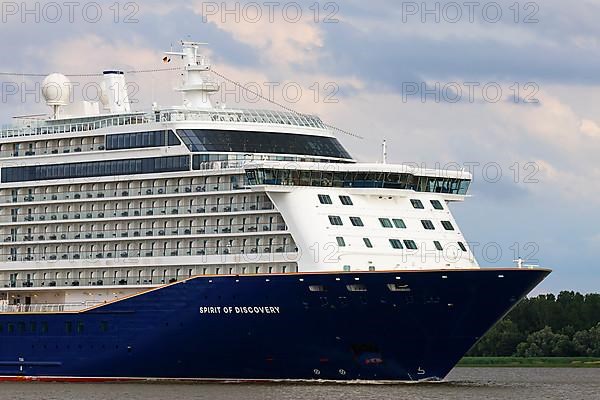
(567, 325)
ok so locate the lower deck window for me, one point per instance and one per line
(357, 287)
(398, 287)
(385, 222)
(399, 223)
(335, 220)
(410, 244)
(447, 225)
(427, 224)
(396, 243)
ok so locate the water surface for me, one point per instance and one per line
(461, 384)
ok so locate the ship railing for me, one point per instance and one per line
(39, 308)
(50, 150)
(95, 278)
(148, 232)
(45, 127)
(35, 128)
(241, 116)
(238, 207)
(247, 253)
(125, 192)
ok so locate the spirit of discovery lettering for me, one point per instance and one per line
(240, 310)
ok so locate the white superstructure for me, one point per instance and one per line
(108, 203)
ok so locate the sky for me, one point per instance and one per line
(509, 90)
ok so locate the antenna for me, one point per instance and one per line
(197, 84)
(384, 152)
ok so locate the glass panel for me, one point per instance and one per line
(262, 142)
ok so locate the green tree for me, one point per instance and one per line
(545, 343)
(501, 340)
(587, 343)
(547, 325)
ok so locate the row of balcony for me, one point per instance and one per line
(149, 232)
(137, 212)
(37, 151)
(105, 280)
(139, 191)
(248, 252)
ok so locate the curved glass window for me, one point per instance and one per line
(96, 168)
(201, 140)
(352, 179)
(137, 140)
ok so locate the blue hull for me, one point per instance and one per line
(271, 327)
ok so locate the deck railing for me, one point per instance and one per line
(47, 127)
(37, 308)
(41, 127)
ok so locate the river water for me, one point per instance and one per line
(461, 384)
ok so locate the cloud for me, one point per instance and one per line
(590, 128)
(277, 38)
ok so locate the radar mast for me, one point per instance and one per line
(197, 85)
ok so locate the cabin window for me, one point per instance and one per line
(356, 221)
(335, 220)
(346, 200)
(410, 244)
(437, 204)
(462, 246)
(385, 222)
(396, 244)
(325, 199)
(447, 225)
(368, 243)
(427, 224)
(340, 241)
(417, 204)
(399, 223)
(438, 245)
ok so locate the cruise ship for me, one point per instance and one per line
(200, 242)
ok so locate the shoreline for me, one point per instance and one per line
(530, 362)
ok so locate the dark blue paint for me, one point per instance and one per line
(377, 334)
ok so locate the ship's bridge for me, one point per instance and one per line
(453, 183)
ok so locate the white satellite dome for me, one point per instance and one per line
(56, 89)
